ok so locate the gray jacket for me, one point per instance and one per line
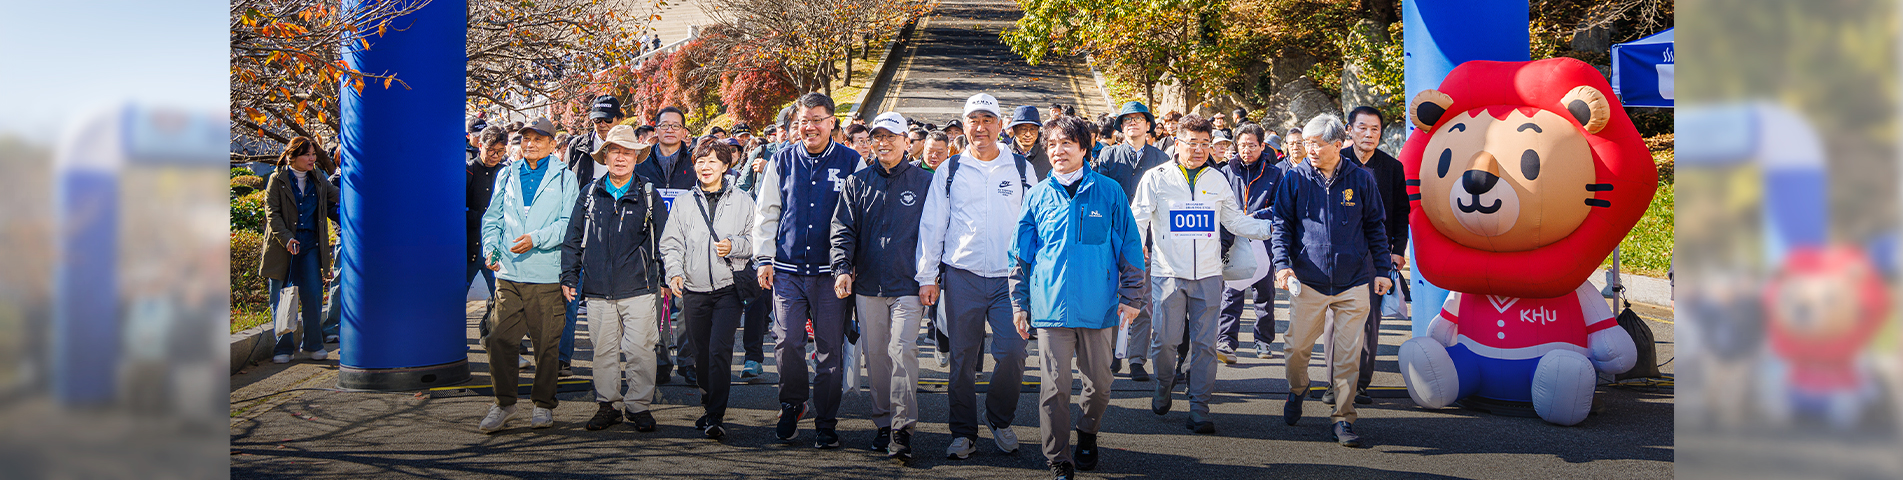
(687, 247)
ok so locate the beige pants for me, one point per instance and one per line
(1309, 313)
(624, 333)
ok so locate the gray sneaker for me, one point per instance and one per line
(1007, 439)
(497, 419)
(542, 418)
(960, 449)
(1262, 350)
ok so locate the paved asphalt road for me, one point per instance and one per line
(956, 53)
(328, 434)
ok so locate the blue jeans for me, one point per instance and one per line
(304, 274)
(333, 309)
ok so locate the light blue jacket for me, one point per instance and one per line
(546, 222)
(1076, 258)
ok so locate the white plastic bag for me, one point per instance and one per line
(284, 318)
(1394, 304)
(1241, 260)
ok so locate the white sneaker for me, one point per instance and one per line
(1007, 439)
(542, 418)
(498, 417)
(524, 363)
(320, 355)
(960, 449)
(281, 359)
(330, 339)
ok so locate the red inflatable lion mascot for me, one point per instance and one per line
(1523, 177)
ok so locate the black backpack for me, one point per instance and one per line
(1024, 176)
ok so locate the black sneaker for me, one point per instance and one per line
(901, 447)
(1199, 424)
(688, 376)
(1362, 398)
(882, 439)
(1137, 373)
(1292, 411)
(827, 438)
(1063, 471)
(1086, 454)
(1116, 365)
(1328, 397)
(789, 426)
(643, 421)
(566, 370)
(1160, 401)
(605, 416)
(714, 430)
(701, 423)
(1345, 435)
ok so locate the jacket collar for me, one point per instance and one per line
(904, 163)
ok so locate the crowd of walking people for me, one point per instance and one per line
(1130, 242)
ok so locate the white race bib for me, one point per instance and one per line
(669, 194)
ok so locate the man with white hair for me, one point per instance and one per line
(1326, 269)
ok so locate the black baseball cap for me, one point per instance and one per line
(606, 106)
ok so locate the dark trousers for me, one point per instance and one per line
(753, 334)
(971, 303)
(711, 320)
(305, 275)
(795, 299)
(1229, 324)
(535, 310)
(567, 343)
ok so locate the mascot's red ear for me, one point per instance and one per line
(1428, 108)
(1589, 106)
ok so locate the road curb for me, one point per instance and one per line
(1638, 288)
(882, 78)
(251, 346)
(1108, 102)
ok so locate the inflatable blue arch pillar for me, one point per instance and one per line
(403, 326)
(1436, 36)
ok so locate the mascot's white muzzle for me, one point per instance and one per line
(1484, 204)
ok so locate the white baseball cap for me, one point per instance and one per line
(891, 122)
(982, 103)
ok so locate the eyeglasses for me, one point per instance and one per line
(669, 126)
(809, 121)
(1197, 143)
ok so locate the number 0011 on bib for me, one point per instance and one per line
(1196, 220)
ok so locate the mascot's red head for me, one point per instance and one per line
(1523, 175)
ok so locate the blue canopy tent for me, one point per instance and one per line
(1642, 71)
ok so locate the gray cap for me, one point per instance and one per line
(541, 125)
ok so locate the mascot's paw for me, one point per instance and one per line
(1431, 378)
(1563, 387)
(1613, 350)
